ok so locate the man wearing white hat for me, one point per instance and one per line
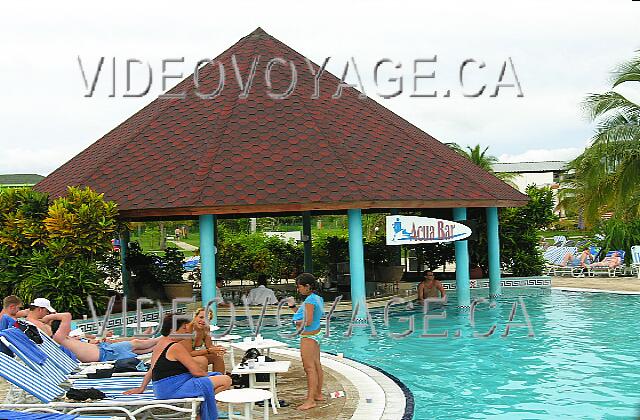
(38, 309)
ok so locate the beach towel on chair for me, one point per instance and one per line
(10, 415)
(186, 385)
(6, 322)
(19, 339)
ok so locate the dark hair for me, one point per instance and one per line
(55, 324)
(307, 279)
(167, 322)
(429, 271)
(262, 280)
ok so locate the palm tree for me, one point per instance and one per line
(609, 168)
(483, 160)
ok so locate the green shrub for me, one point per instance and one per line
(519, 237)
(619, 235)
(169, 267)
(65, 284)
(56, 251)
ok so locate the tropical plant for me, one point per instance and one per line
(65, 283)
(56, 251)
(619, 234)
(607, 173)
(22, 211)
(482, 159)
(519, 232)
(435, 255)
(81, 224)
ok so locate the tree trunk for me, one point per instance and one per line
(163, 236)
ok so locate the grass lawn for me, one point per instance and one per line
(567, 233)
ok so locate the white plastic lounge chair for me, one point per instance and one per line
(593, 271)
(635, 260)
(47, 368)
(554, 256)
(69, 366)
(47, 391)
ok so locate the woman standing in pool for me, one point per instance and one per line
(308, 315)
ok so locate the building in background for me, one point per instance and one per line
(19, 180)
(541, 174)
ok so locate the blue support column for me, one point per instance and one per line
(462, 264)
(207, 258)
(493, 240)
(306, 231)
(126, 274)
(397, 250)
(356, 262)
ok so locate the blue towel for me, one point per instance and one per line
(6, 322)
(186, 385)
(19, 339)
(10, 415)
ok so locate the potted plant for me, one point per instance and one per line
(169, 270)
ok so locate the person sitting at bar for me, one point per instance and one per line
(258, 295)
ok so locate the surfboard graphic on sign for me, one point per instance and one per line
(403, 230)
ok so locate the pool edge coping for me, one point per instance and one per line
(588, 290)
(381, 409)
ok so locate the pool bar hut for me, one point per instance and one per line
(261, 130)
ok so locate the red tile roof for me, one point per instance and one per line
(258, 154)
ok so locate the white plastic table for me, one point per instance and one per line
(272, 368)
(248, 397)
(265, 344)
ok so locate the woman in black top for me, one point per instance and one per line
(176, 374)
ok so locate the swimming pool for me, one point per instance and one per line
(582, 362)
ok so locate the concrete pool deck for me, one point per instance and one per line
(621, 285)
(368, 392)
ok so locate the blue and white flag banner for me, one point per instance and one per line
(403, 230)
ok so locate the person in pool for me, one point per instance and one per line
(201, 346)
(176, 374)
(308, 316)
(430, 288)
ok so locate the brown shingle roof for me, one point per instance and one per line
(232, 155)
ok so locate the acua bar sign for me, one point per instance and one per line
(423, 230)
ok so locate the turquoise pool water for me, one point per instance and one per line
(583, 361)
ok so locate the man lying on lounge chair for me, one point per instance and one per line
(612, 262)
(573, 261)
(43, 316)
(100, 352)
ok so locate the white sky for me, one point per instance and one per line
(561, 50)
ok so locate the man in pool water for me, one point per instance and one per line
(430, 288)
